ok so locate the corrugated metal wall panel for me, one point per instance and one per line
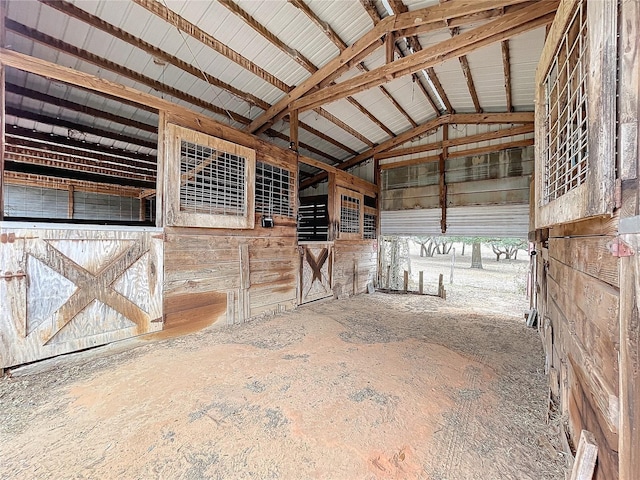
(36, 202)
(97, 206)
(483, 221)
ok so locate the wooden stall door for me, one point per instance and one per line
(316, 267)
(66, 290)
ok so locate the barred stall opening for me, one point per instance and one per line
(274, 190)
(565, 150)
(349, 214)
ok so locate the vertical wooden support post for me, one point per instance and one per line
(443, 184)
(163, 156)
(244, 305)
(388, 277)
(231, 307)
(333, 207)
(453, 264)
(70, 202)
(143, 209)
(389, 47)
(441, 286)
(506, 65)
(629, 173)
(421, 282)
(406, 281)
(293, 130)
(3, 12)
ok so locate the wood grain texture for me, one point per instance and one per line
(586, 456)
(629, 445)
(83, 288)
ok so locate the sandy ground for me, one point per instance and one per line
(373, 387)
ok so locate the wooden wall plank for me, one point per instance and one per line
(588, 255)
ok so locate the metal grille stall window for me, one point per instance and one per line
(565, 149)
(349, 214)
(370, 224)
(211, 181)
(274, 190)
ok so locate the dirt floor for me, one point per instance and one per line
(374, 387)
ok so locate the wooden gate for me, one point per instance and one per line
(67, 289)
(316, 267)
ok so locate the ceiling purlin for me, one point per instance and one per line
(466, 71)
(101, 62)
(371, 40)
(509, 25)
(60, 122)
(338, 42)
(308, 65)
(98, 23)
(76, 107)
(194, 31)
(404, 137)
(506, 65)
(399, 7)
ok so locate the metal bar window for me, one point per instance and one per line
(349, 214)
(274, 190)
(565, 149)
(211, 181)
(370, 226)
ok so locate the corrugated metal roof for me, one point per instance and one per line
(348, 19)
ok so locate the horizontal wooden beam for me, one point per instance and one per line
(57, 183)
(507, 26)
(456, 118)
(480, 137)
(408, 163)
(491, 148)
(430, 15)
(60, 122)
(78, 107)
(359, 184)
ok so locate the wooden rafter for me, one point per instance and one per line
(466, 71)
(507, 26)
(432, 16)
(77, 107)
(60, 122)
(96, 22)
(506, 64)
(332, 118)
(337, 41)
(456, 118)
(101, 62)
(399, 7)
(117, 32)
(172, 18)
(324, 136)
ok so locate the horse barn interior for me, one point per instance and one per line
(176, 169)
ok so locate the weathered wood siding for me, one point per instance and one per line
(578, 299)
(355, 264)
(68, 289)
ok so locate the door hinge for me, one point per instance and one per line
(620, 249)
(8, 276)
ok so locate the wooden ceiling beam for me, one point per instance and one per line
(303, 61)
(157, 53)
(332, 118)
(275, 134)
(341, 45)
(172, 18)
(457, 118)
(76, 107)
(60, 122)
(113, 155)
(430, 15)
(491, 148)
(89, 57)
(324, 136)
(466, 71)
(506, 65)
(509, 25)
(399, 7)
(480, 137)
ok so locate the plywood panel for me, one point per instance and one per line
(83, 287)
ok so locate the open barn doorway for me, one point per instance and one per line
(490, 273)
